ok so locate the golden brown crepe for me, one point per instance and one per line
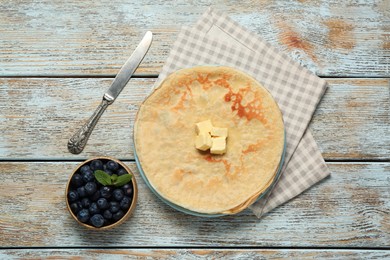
(164, 136)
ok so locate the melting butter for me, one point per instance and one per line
(219, 132)
(218, 146)
(210, 137)
(204, 127)
(203, 141)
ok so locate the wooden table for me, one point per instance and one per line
(58, 57)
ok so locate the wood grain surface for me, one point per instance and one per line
(331, 38)
(38, 115)
(193, 254)
(349, 209)
(56, 60)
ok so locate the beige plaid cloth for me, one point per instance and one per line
(218, 40)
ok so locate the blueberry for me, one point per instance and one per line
(112, 165)
(105, 192)
(94, 209)
(86, 203)
(75, 207)
(73, 195)
(109, 172)
(97, 220)
(90, 188)
(83, 215)
(88, 176)
(95, 196)
(118, 194)
(102, 203)
(82, 192)
(121, 171)
(107, 214)
(125, 203)
(127, 189)
(114, 206)
(84, 169)
(77, 180)
(117, 216)
(96, 165)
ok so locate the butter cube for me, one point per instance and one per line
(203, 141)
(204, 127)
(218, 146)
(220, 132)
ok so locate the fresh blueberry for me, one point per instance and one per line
(127, 189)
(112, 165)
(83, 215)
(73, 195)
(117, 216)
(96, 165)
(86, 203)
(84, 169)
(88, 176)
(109, 172)
(95, 196)
(114, 206)
(79, 204)
(75, 207)
(125, 203)
(102, 203)
(77, 180)
(90, 187)
(97, 220)
(107, 214)
(82, 192)
(118, 194)
(94, 209)
(121, 171)
(105, 192)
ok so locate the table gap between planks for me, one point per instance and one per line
(56, 60)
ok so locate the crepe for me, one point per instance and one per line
(164, 137)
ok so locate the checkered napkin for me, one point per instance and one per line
(217, 40)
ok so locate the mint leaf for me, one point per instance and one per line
(114, 177)
(103, 177)
(122, 180)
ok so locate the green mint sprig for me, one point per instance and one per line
(115, 180)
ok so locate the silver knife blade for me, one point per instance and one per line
(128, 68)
(78, 141)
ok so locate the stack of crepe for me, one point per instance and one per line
(164, 137)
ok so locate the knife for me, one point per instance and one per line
(78, 141)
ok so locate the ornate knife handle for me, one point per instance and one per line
(78, 141)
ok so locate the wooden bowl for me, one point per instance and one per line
(134, 194)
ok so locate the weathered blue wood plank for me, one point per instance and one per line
(349, 209)
(344, 38)
(37, 116)
(195, 254)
